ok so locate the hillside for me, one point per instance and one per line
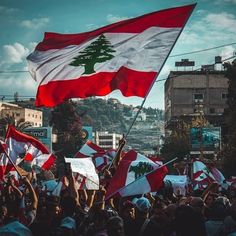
(111, 115)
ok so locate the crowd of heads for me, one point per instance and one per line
(28, 209)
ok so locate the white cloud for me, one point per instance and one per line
(22, 84)
(7, 10)
(222, 20)
(15, 53)
(227, 52)
(35, 23)
(219, 2)
(91, 26)
(114, 18)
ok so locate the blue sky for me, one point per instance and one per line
(24, 22)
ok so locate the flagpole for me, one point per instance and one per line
(167, 163)
(145, 98)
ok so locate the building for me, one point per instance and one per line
(201, 94)
(188, 92)
(7, 105)
(35, 117)
(107, 140)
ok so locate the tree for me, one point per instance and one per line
(66, 124)
(97, 52)
(177, 144)
(229, 150)
(16, 96)
(20, 125)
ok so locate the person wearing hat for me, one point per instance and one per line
(142, 225)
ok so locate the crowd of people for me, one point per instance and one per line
(29, 209)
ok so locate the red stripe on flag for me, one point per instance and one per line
(168, 18)
(48, 164)
(197, 174)
(119, 179)
(95, 146)
(28, 157)
(155, 178)
(129, 82)
(21, 137)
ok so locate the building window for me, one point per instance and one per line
(212, 110)
(29, 115)
(32, 115)
(35, 116)
(198, 97)
(224, 96)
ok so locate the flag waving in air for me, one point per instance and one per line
(136, 174)
(127, 55)
(22, 146)
(101, 157)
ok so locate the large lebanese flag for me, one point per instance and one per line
(127, 55)
(136, 174)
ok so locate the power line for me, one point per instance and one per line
(176, 55)
(13, 71)
(202, 50)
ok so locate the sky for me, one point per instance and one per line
(23, 23)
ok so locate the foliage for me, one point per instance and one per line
(177, 144)
(20, 125)
(66, 124)
(107, 115)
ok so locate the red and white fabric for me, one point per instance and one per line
(136, 174)
(101, 157)
(218, 176)
(89, 149)
(138, 48)
(84, 172)
(3, 158)
(102, 160)
(19, 143)
(201, 174)
(44, 161)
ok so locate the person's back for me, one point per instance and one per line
(215, 225)
(188, 222)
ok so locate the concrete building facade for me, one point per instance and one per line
(107, 140)
(188, 92)
(35, 117)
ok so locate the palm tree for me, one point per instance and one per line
(20, 125)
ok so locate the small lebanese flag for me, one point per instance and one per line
(136, 174)
(127, 55)
(201, 174)
(19, 144)
(101, 158)
(89, 149)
